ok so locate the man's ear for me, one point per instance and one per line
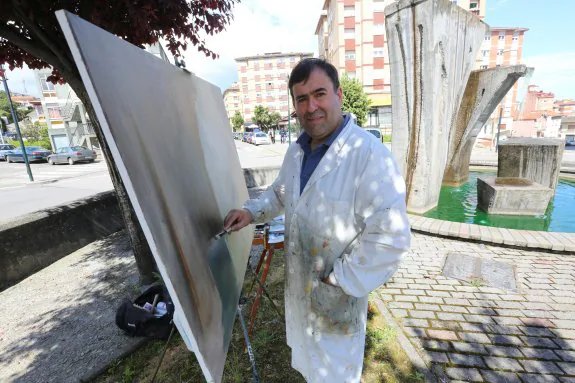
(340, 94)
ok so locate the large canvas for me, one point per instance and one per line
(171, 140)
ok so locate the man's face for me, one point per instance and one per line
(318, 105)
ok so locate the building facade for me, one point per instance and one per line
(351, 35)
(567, 129)
(263, 80)
(233, 101)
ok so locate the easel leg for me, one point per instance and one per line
(262, 257)
(260, 290)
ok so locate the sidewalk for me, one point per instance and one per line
(477, 333)
(58, 325)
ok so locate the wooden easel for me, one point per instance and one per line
(262, 238)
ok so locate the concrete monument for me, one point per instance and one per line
(512, 196)
(433, 46)
(484, 91)
(537, 159)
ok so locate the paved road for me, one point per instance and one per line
(18, 196)
(15, 175)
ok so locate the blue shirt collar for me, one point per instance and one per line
(304, 139)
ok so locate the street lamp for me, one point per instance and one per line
(15, 118)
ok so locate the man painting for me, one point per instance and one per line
(346, 227)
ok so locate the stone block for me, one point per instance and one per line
(537, 159)
(511, 196)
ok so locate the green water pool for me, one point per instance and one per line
(459, 204)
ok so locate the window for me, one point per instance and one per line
(485, 53)
(515, 36)
(472, 5)
(502, 35)
(350, 55)
(487, 37)
(54, 112)
(46, 85)
(379, 29)
(500, 52)
(349, 33)
(378, 52)
(483, 67)
(349, 11)
(351, 74)
(292, 59)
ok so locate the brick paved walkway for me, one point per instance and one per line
(483, 334)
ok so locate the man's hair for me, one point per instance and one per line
(303, 69)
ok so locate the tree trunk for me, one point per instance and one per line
(142, 253)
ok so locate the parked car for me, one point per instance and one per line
(261, 139)
(245, 136)
(71, 155)
(376, 133)
(34, 153)
(250, 138)
(4, 149)
(570, 143)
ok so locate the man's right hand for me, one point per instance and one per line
(237, 219)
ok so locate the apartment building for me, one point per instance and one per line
(232, 101)
(351, 36)
(263, 81)
(503, 46)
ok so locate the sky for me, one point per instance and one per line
(261, 26)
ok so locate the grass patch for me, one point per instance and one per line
(385, 360)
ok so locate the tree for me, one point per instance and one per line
(21, 113)
(237, 121)
(275, 119)
(35, 132)
(266, 119)
(354, 99)
(30, 34)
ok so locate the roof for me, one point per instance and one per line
(535, 115)
(274, 54)
(320, 21)
(518, 29)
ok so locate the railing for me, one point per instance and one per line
(82, 132)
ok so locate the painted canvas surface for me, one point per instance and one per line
(171, 140)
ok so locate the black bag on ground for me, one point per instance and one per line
(139, 322)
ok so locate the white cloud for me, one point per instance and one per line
(22, 81)
(554, 72)
(259, 26)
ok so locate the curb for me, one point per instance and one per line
(416, 359)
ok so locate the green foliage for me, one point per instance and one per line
(387, 138)
(5, 109)
(35, 135)
(354, 99)
(237, 121)
(266, 119)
